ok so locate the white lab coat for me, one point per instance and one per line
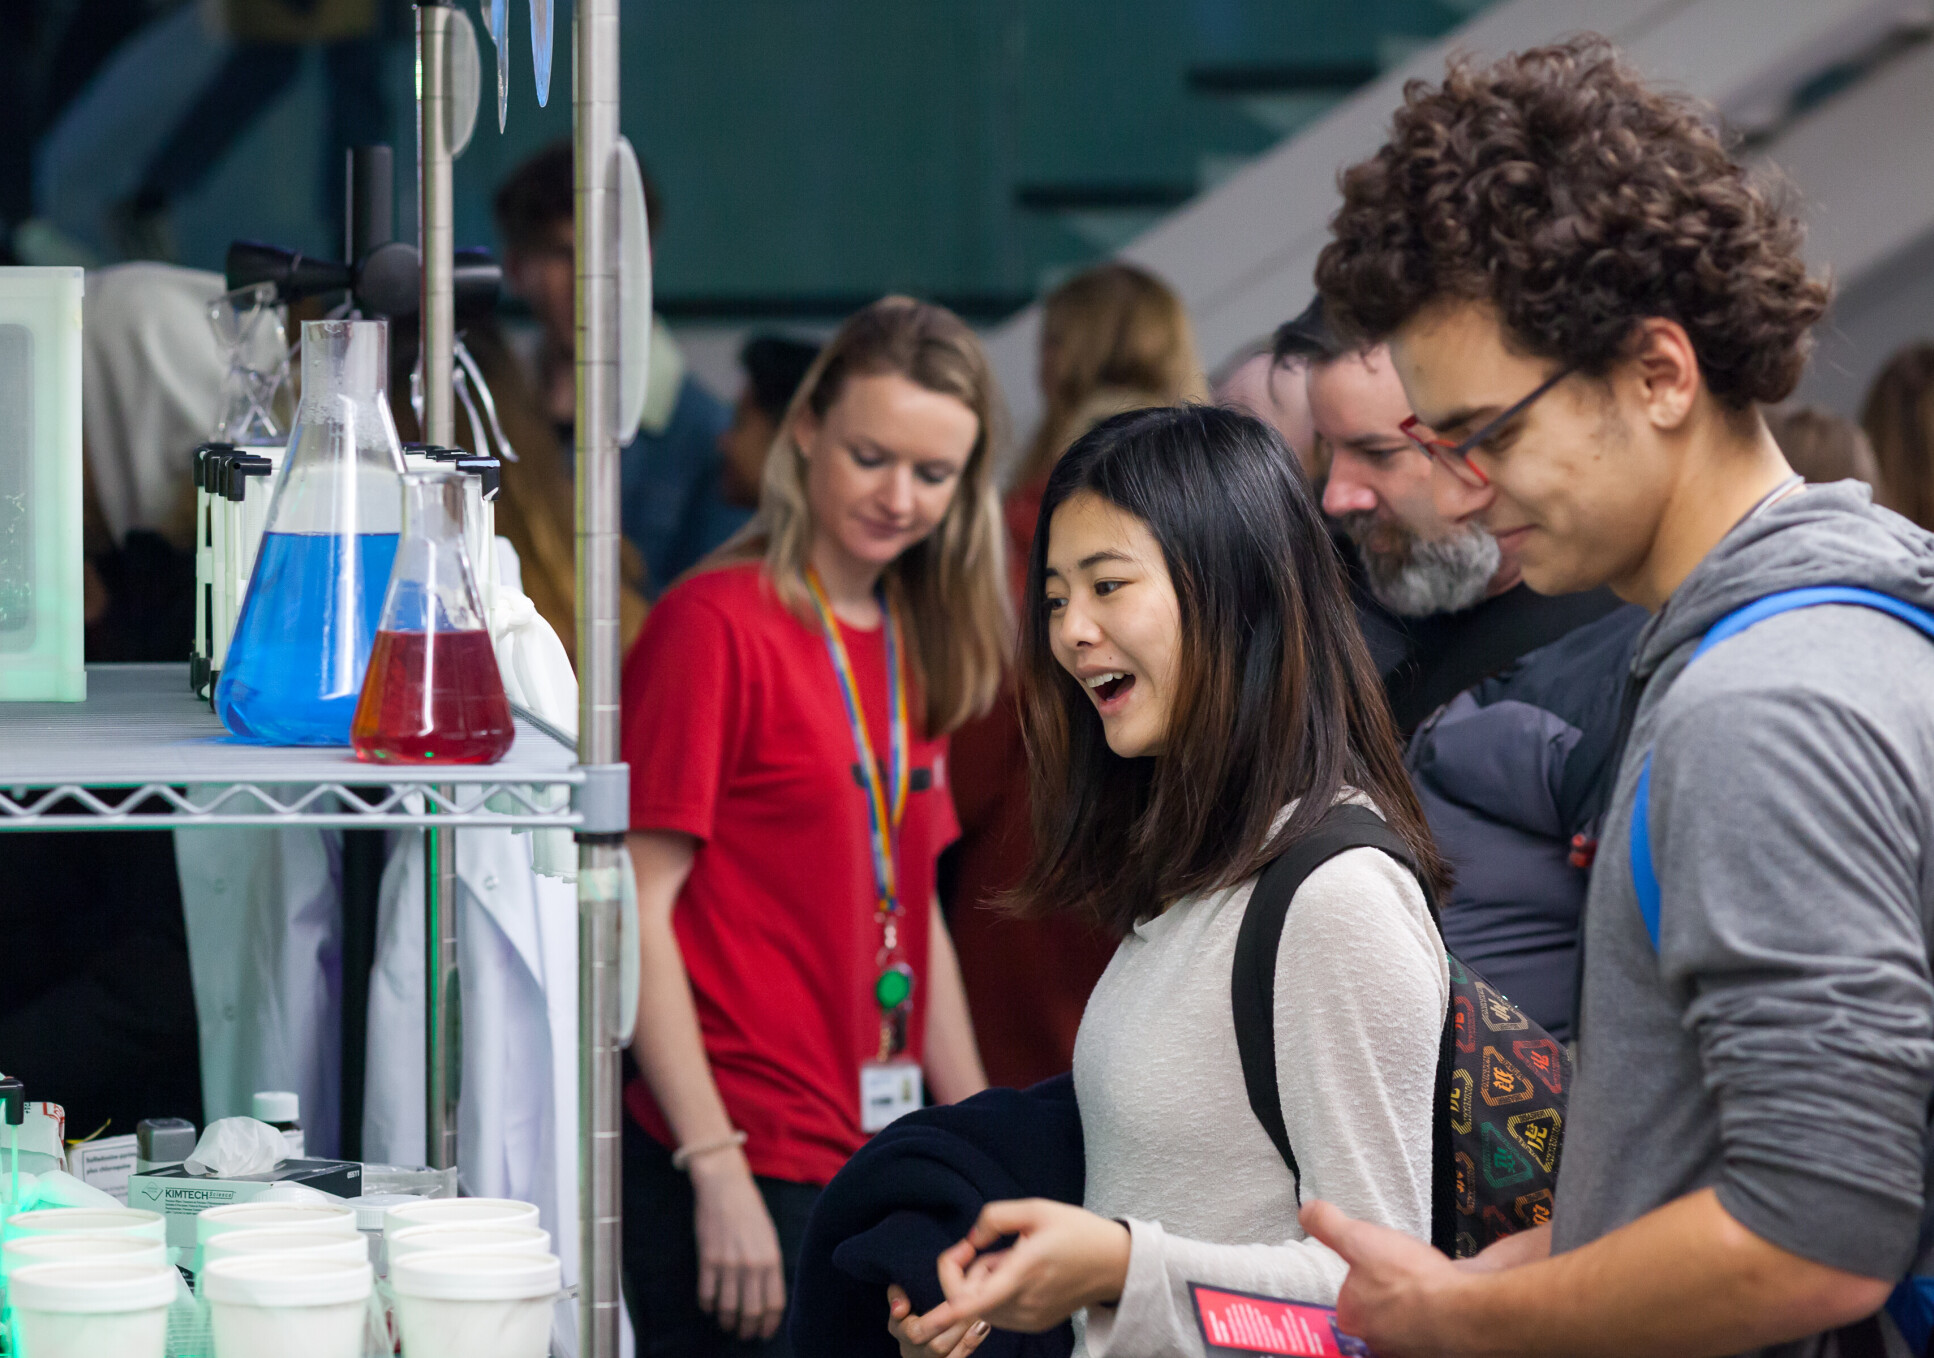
(263, 910)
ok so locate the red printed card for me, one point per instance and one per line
(1243, 1323)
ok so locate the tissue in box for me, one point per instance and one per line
(180, 1196)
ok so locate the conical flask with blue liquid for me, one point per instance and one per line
(295, 668)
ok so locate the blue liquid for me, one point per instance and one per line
(295, 667)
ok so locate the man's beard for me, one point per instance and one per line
(1414, 578)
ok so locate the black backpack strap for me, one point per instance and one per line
(1253, 978)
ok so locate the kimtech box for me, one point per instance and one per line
(180, 1196)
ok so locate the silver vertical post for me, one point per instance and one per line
(443, 1025)
(603, 801)
(437, 320)
(436, 238)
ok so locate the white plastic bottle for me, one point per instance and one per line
(282, 1110)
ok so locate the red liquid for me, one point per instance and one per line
(464, 718)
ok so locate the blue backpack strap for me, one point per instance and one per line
(1645, 877)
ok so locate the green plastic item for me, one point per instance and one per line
(40, 486)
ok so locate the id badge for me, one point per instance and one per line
(888, 1090)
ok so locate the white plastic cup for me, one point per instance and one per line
(327, 1244)
(287, 1305)
(329, 1218)
(75, 1246)
(487, 1239)
(455, 1304)
(460, 1212)
(133, 1221)
(82, 1309)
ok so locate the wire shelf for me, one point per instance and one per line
(144, 753)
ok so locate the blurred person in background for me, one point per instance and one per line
(674, 508)
(1268, 384)
(537, 505)
(1114, 338)
(1899, 419)
(1823, 446)
(774, 366)
(270, 38)
(1466, 610)
(1508, 700)
(786, 715)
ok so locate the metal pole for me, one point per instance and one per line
(603, 799)
(436, 317)
(443, 1022)
(436, 239)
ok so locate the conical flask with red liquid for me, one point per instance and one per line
(433, 695)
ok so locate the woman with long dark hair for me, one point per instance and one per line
(1196, 696)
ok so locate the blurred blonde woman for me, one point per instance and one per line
(787, 709)
(1899, 418)
(1114, 338)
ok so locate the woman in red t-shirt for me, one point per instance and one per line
(797, 980)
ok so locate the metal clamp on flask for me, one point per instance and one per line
(201, 656)
(232, 491)
(482, 479)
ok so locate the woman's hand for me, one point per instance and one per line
(956, 1341)
(1063, 1259)
(741, 1278)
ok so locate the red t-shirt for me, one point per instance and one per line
(736, 734)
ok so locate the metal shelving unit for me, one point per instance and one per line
(143, 753)
(142, 733)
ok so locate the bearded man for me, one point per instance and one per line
(1509, 699)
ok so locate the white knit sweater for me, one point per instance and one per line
(1172, 1146)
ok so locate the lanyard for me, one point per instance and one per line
(884, 806)
(886, 803)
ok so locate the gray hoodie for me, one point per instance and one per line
(1779, 1045)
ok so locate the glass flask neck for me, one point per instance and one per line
(432, 588)
(345, 358)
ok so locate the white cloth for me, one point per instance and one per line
(263, 910)
(538, 678)
(151, 388)
(1172, 1145)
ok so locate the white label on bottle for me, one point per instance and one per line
(292, 1145)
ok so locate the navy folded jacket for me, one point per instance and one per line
(912, 1191)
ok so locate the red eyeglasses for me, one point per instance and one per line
(1455, 458)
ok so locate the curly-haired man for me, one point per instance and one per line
(1588, 301)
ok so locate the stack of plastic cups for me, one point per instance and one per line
(289, 1305)
(130, 1222)
(459, 1212)
(452, 1304)
(329, 1218)
(327, 1244)
(470, 1276)
(469, 1240)
(69, 1247)
(91, 1309)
